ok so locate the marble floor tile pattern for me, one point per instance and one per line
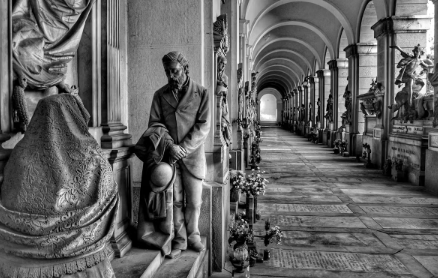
(339, 218)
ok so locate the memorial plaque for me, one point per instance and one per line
(303, 208)
(430, 263)
(316, 221)
(395, 200)
(417, 241)
(404, 150)
(336, 261)
(406, 129)
(300, 190)
(309, 239)
(406, 223)
(301, 199)
(374, 191)
(400, 210)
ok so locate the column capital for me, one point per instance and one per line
(323, 72)
(333, 64)
(402, 24)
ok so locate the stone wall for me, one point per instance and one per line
(154, 30)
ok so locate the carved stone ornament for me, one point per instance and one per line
(329, 109)
(318, 113)
(220, 34)
(348, 106)
(413, 70)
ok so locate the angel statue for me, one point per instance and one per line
(412, 69)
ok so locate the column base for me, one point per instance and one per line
(113, 136)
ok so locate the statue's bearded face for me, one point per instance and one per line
(176, 75)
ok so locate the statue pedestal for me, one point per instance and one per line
(326, 136)
(120, 160)
(431, 173)
(408, 142)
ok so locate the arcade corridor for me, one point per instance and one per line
(341, 219)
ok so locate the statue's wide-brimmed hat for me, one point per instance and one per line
(162, 176)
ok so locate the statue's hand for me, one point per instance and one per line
(176, 153)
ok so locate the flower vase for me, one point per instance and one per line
(256, 214)
(235, 195)
(240, 256)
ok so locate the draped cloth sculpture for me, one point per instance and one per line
(46, 35)
(58, 199)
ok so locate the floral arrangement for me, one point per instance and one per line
(240, 232)
(272, 234)
(237, 180)
(255, 183)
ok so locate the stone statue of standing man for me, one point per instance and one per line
(180, 116)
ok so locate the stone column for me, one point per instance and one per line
(114, 51)
(342, 84)
(362, 60)
(312, 117)
(316, 96)
(306, 108)
(406, 32)
(231, 8)
(334, 80)
(431, 176)
(321, 96)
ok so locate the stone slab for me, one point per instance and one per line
(336, 261)
(393, 192)
(406, 223)
(185, 266)
(137, 263)
(430, 263)
(394, 200)
(422, 242)
(295, 190)
(311, 239)
(316, 221)
(300, 199)
(303, 208)
(424, 211)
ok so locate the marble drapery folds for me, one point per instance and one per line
(58, 199)
(45, 37)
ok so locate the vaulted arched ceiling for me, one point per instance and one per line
(288, 39)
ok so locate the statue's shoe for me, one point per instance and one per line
(175, 253)
(197, 246)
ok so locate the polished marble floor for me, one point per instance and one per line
(339, 218)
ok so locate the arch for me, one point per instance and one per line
(268, 110)
(328, 6)
(367, 6)
(278, 76)
(283, 50)
(382, 8)
(302, 24)
(280, 66)
(287, 60)
(275, 85)
(327, 58)
(342, 44)
(311, 48)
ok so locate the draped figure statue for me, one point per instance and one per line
(58, 199)
(45, 37)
